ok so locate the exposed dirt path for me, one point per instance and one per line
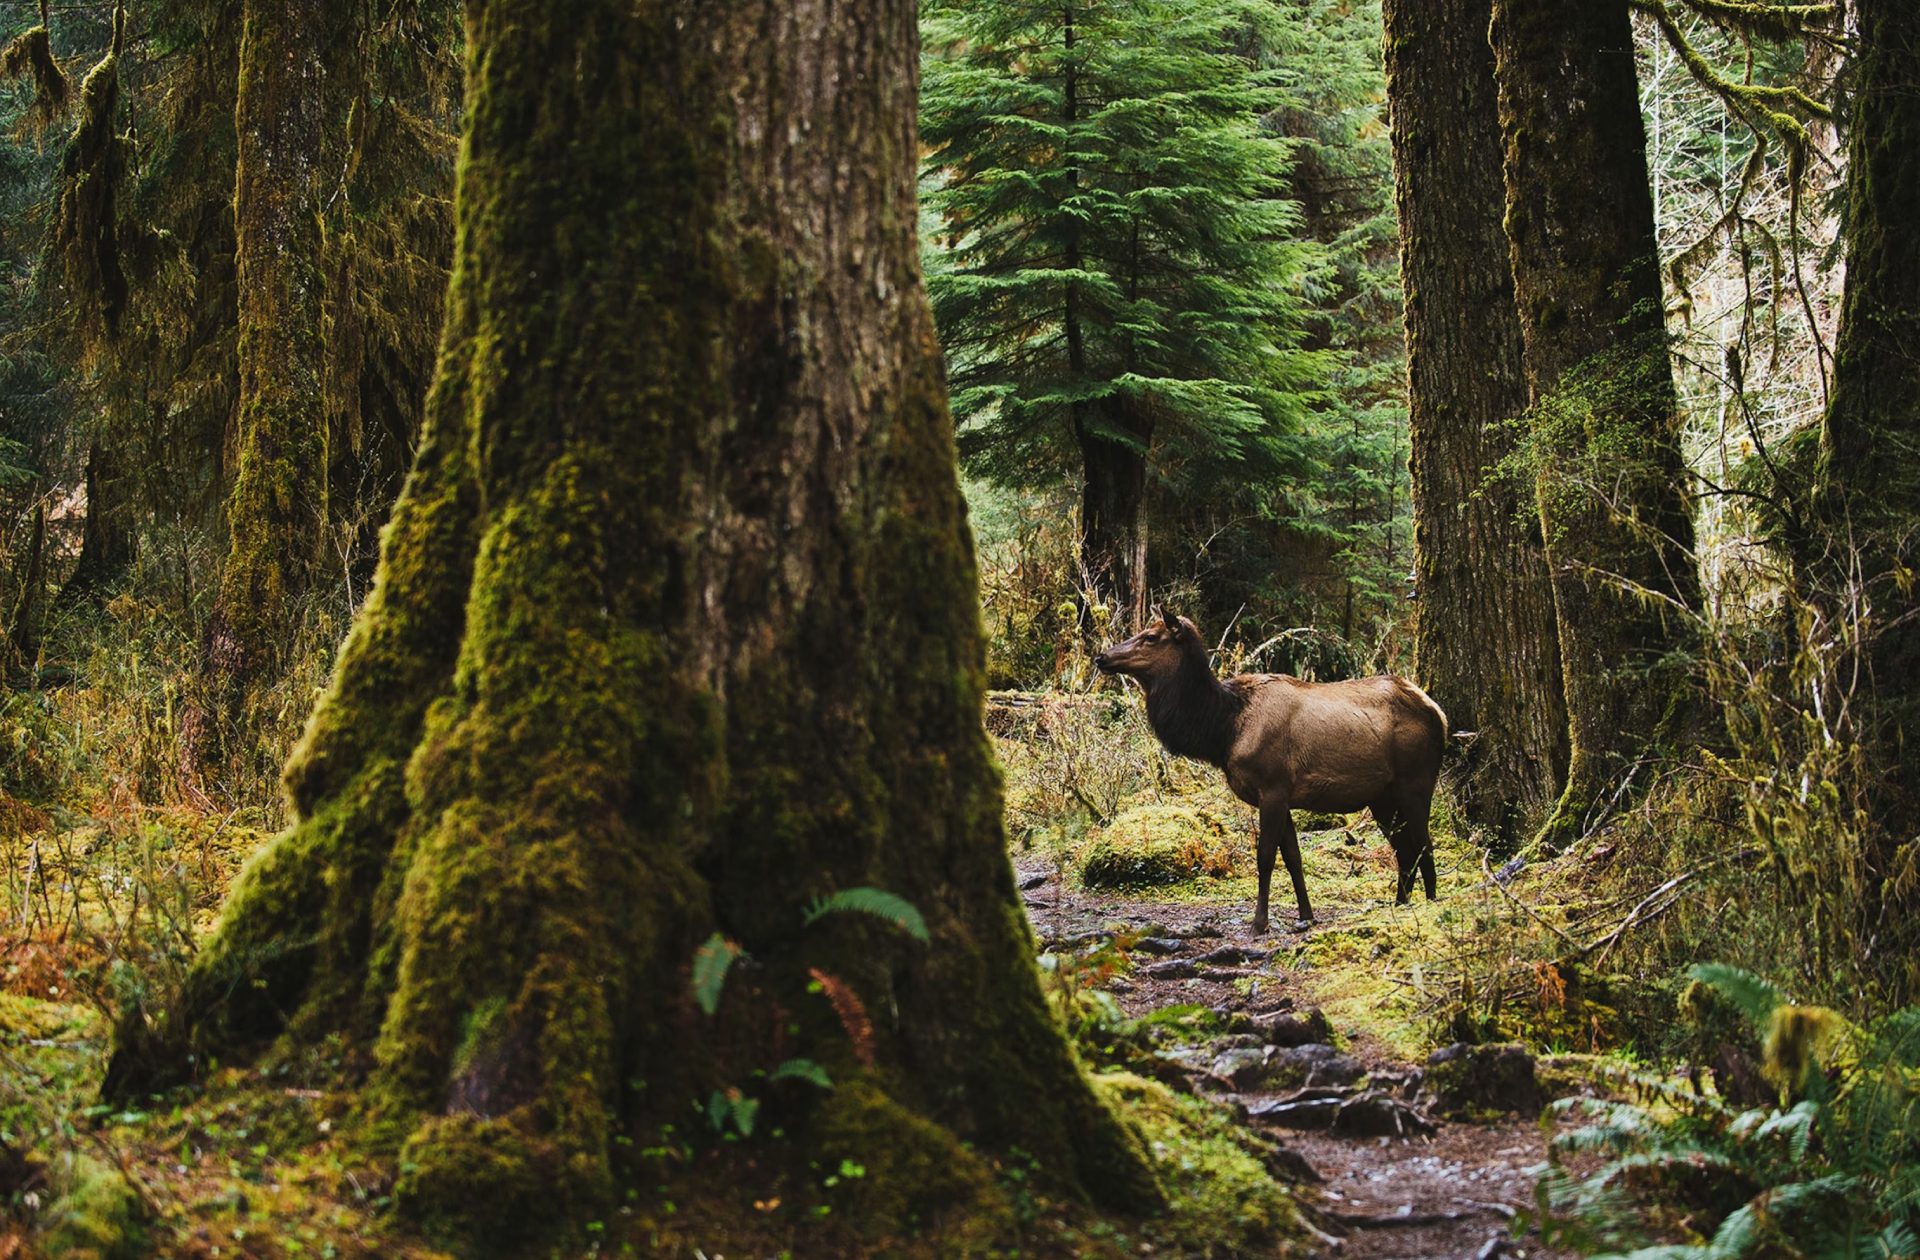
(1393, 1182)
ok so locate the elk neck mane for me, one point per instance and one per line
(1193, 713)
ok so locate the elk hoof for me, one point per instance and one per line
(1259, 925)
(1301, 925)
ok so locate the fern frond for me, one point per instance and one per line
(710, 965)
(1753, 996)
(802, 1070)
(876, 902)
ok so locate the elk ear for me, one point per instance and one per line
(1172, 623)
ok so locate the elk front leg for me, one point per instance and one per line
(1277, 834)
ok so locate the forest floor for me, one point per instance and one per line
(1437, 1188)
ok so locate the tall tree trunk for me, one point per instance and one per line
(1484, 632)
(1612, 486)
(1113, 523)
(277, 506)
(676, 629)
(1868, 492)
(107, 541)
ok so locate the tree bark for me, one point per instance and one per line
(277, 505)
(23, 629)
(1612, 486)
(1113, 523)
(676, 629)
(107, 540)
(1485, 638)
(1868, 488)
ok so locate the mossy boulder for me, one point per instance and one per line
(1155, 845)
(1467, 1080)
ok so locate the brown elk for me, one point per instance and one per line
(1369, 743)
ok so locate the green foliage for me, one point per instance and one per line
(1832, 1171)
(876, 902)
(1117, 243)
(710, 965)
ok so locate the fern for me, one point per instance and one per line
(1751, 995)
(802, 1070)
(876, 902)
(710, 965)
(1837, 1169)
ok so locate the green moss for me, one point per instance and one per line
(96, 1217)
(480, 1183)
(919, 1181)
(1221, 1201)
(1151, 845)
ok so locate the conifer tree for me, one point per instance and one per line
(1121, 288)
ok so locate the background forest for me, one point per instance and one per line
(1349, 328)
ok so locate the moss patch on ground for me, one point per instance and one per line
(1222, 1201)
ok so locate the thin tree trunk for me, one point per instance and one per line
(23, 631)
(1612, 486)
(676, 630)
(276, 508)
(1485, 637)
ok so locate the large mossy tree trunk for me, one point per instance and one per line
(675, 630)
(276, 506)
(1484, 631)
(1613, 492)
(1868, 492)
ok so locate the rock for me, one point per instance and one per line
(1232, 956)
(1287, 1164)
(1034, 881)
(1171, 969)
(1120, 984)
(1463, 1079)
(1158, 945)
(1220, 976)
(1238, 1041)
(1368, 1114)
(1242, 1068)
(1186, 1058)
(1310, 1065)
(1285, 1028)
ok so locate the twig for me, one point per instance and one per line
(1529, 910)
(1641, 913)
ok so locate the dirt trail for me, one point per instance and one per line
(1394, 1183)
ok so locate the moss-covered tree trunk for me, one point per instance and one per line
(1869, 486)
(675, 629)
(1484, 631)
(1614, 498)
(107, 540)
(276, 508)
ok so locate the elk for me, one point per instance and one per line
(1285, 744)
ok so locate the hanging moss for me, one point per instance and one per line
(31, 52)
(85, 233)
